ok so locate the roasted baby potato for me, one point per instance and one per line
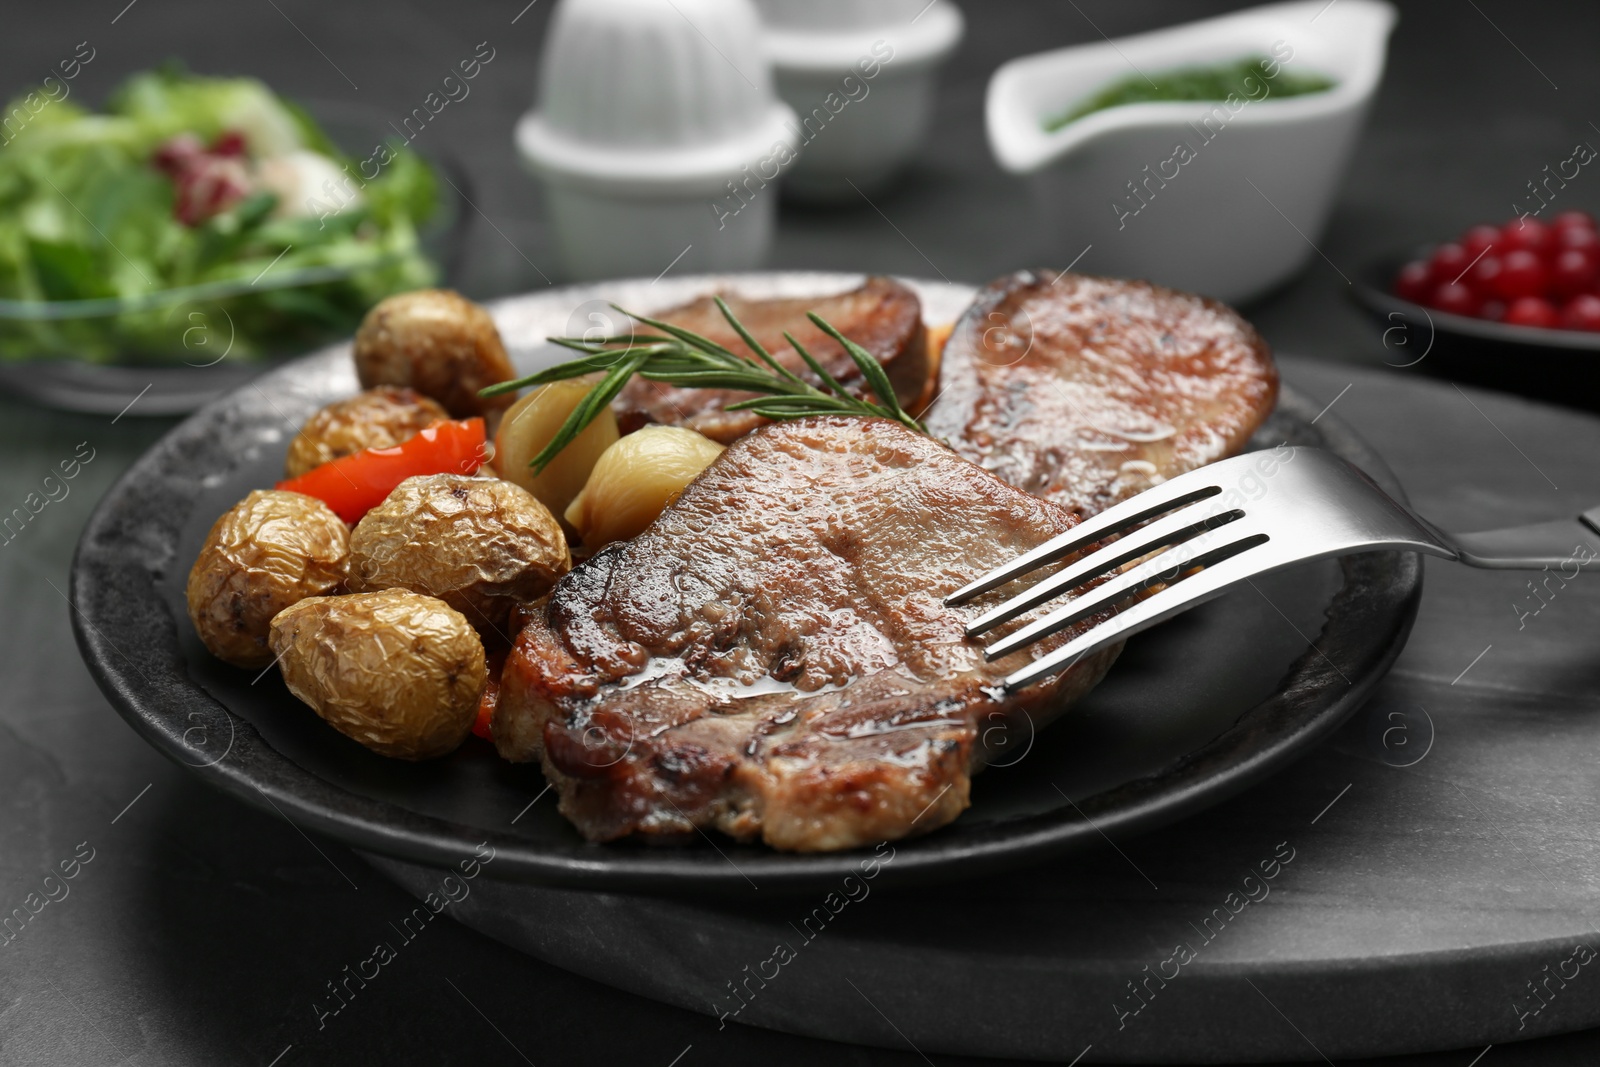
(438, 343)
(532, 422)
(479, 544)
(377, 418)
(395, 670)
(270, 550)
(635, 480)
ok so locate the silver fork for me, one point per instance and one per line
(1225, 523)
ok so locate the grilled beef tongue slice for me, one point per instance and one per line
(1086, 390)
(772, 658)
(882, 316)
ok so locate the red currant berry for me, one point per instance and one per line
(1522, 273)
(1493, 310)
(1529, 234)
(1580, 237)
(1448, 261)
(1573, 220)
(1484, 276)
(1531, 311)
(1454, 298)
(1582, 313)
(1414, 282)
(1479, 240)
(1572, 272)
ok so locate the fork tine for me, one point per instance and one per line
(1196, 589)
(1174, 493)
(1197, 552)
(1171, 529)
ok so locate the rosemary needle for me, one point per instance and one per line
(683, 358)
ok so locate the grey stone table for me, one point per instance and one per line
(196, 931)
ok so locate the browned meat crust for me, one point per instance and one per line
(1085, 390)
(882, 316)
(772, 657)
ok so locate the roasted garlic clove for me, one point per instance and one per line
(532, 422)
(636, 479)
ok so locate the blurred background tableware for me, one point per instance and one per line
(860, 76)
(1543, 363)
(1194, 194)
(657, 136)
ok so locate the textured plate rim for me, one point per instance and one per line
(117, 575)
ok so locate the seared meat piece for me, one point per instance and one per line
(771, 656)
(1085, 390)
(882, 316)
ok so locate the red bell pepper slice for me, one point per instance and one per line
(489, 699)
(355, 484)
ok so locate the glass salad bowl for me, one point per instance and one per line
(169, 350)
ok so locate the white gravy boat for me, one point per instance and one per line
(1224, 199)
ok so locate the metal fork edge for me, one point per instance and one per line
(1168, 534)
(1183, 536)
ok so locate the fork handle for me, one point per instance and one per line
(1561, 544)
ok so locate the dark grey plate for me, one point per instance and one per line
(1195, 711)
(1472, 351)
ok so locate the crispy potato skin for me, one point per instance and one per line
(481, 545)
(397, 671)
(439, 343)
(269, 551)
(377, 418)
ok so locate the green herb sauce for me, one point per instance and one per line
(1247, 78)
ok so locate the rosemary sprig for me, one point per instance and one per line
(686, 359)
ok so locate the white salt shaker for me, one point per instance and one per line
(658, 136)
(860, 76)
